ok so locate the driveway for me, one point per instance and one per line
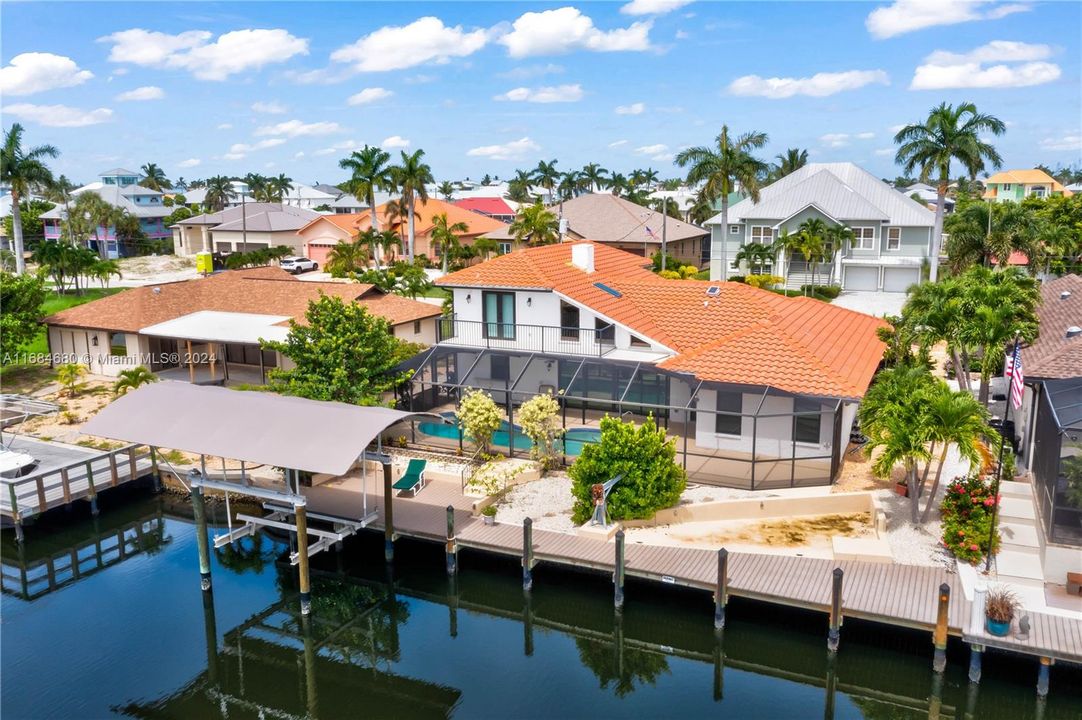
(872, 303)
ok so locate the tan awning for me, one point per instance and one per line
(257, 427)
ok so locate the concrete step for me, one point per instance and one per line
(1010, 488)
(1020, 565)
(1019, 536)
(1018, 510)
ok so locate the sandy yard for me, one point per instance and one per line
(150, 269)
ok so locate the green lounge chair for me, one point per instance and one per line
(414, 478)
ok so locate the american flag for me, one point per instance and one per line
(1012, 370)
(650, 233)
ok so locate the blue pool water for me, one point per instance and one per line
(574, 439)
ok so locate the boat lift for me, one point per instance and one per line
(600, 494)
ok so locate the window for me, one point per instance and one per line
(734, 229)
(504, 248)
(637, 341)
(500, 367)
(728, 402)
(416, 327)
(1006, 186)
(806, 427)
(763, 234)
(605, 331)
(864, 238)
(1038, 191)
(894, 238)
(569, 321)
(499, 315)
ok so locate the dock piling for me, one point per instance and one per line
(834, 634)
(388, 513)
(155, 471)
(527, 554)
(1042, 676)
(721, 592)
(452, 565)
(975, 653)
(91, 491)
(301, 513)
(618, 572)
(935, 697)
(200, 512)
(939, 637)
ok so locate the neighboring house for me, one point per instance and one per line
(893, 233)
(195, 198)
(928, 195)
(251, 226)
(620, 223)
(324, 232)
(310, 198)
(494, 207)
(476, 223)
(758, 390)
(223, 316)
(1014, 185)
(120, 189)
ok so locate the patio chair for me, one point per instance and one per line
(413, 479)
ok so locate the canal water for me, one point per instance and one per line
(130, 634)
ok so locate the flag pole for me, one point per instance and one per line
(999, 461)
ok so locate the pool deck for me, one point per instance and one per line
(898, 595)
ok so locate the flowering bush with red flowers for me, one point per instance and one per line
(967, 518)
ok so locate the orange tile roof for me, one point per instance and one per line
(265, 291)
(1027, 177)
(742, 335)
(477, 223)
(346, 221)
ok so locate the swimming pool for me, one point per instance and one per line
(573, 441)
(576, 438)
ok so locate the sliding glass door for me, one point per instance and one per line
(499, 315)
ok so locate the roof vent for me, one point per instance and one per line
(1065, 294)
(1073, 331)
(713, 291)
(582, 256)
(157, 291)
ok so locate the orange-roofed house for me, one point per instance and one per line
(209, 329)
(1014, 185)
(326, 231)
(758, 390)
(476, 224)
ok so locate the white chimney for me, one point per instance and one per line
(582, 256)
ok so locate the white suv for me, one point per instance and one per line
(298, 264)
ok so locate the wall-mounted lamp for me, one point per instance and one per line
(529, 301)
(94, 340)
(469, 298)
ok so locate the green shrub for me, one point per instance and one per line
(764, 281)
(967, 518)
(737, 278)
(644, 455)
(702, 275)
(540, 420)
(480, 418)
(669, 274)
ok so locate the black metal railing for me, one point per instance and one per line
(530, 338)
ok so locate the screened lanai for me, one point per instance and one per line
(1057, 455)
(742, 436)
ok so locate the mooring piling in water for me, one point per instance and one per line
(301, 513)
(975, 653)
(618, 572)
(939, 636)
(834, 634)
(527, 554)
(721, 591)
(388, 512)
(452, 564)
(199, 510)
(1043, 671)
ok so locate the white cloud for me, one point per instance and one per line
(632, 109)
(547, 94)
(905, 16)
(818, 85)
(653, 7)
(229, 54)
(531, 71)
(237, 151)
(865, 136)
(296, 128)
(681, 35)
(369, 95)
(659, 152)
(884, 151)
(514, 150)
(835, 140)
(298, 155)
(553, 32)
(946, 70)
(424, 41)
(36, 72)
(395, 141)
(59, 115)
(1059, 144)
(147, 92)
(189, 163)
(618, 143)
(344, 146)
(225, 126)
(895, 129)
(269, 107)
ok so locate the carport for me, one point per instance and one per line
(295, 434)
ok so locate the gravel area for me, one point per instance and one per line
(548, 501)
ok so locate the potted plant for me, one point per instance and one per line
(488, 513)
(999, 608)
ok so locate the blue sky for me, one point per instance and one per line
(208, 88)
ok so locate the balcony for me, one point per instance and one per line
(529, 338)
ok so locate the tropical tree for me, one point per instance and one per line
(104, 270)
(258, 186)
(445, 236)
(667, 206)
(619, 184)
(346, 258)
(219, 193)
(279, 187)
(546, 175)
(535, 225)
(485, 246)
(154, 178)
(518, 187)
(102, 216)
(813, 237)
(21, 297)
(949, 134)
(567, 188)
(644, 178)
(180, 184)
(134, 378)
(447, 190)
(757, 256)
(952, 418)
(369, 173)
(411, 176)
(792, 160)
(987, 233)
(701, 210)
(69, 375)
(720, 168)
(593, 177)
(23, 171)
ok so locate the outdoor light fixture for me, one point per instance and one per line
(529, 301)
(94, 341)
(469, 298)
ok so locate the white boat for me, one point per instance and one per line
(15, 464)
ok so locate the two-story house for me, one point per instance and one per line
(757, 390)
(1014, 185)
(892, 233)
(120, 188)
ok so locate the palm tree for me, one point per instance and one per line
(667, 205)
(411, 176)
(718, 169)
(701, 210)
(104, 270)
(535, 225)
(22, 171)
(132, 379)
(154, 178)
(949, 134)
(619, 184)
(568, 188)
(953, 417)
(447, 190)
(546, 175)
(445, 236)
(838, 237)
(485, 246)
(69, 375)
(756, 255)
(219, 193)
(813, 234)
(346, 258)
(101, 214)
(279, 187)
(180, 184)
(258, 187)
(792, 160)
(370, 173)
(593, 177)
(647, 177)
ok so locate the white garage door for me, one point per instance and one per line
(861, 278)
(899, 279)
